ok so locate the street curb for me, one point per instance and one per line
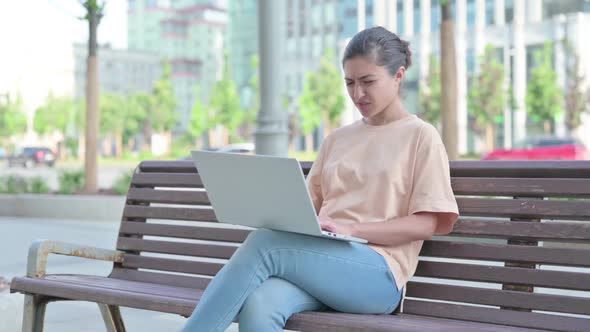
(79, 207)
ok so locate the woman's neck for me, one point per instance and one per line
(395, 111)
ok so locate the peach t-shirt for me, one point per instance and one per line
(366, 173)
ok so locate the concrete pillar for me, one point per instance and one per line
(408, 18)
(499, 12)
(350, 113)
(560, 67)
(379, 13)
(425, 38)
(507, 109)
(392, 16)
(461, 48)
(519, 75)
(361, 15)
(272, 133)
(308, 35)
(480, 23)
(534, 10)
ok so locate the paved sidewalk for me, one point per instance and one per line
(15, 236)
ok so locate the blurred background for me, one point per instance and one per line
(176, 75)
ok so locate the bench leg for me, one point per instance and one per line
(112, 317)
(34, 313)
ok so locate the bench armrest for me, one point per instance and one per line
(40, 250)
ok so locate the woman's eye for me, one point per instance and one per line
(368, 82)
(349, 83)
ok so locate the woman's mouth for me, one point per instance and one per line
(363, 107)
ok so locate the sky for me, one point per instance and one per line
(36, 38)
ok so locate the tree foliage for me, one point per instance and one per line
(322, 99)
(544, 97)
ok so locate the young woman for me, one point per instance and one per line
(384, 178)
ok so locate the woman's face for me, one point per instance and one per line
(371, 87)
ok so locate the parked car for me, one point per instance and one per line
(246, 148)
(32, 156)
(542, 148)
(243, 148)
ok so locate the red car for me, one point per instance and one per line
(542, 148)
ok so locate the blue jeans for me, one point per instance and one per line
(274, 275)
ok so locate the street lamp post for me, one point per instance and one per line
(272, 134)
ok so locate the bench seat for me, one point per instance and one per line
(182, 300)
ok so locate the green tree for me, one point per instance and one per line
(575, 101)
(430, 94)
(137, 107)
(544, 98)
(12, 118)
(322, 99)
(225, 104)
(254, 102)
(114, 117)
(160, 106)
(57, 114)
(448, 64)
(201, 118)
(94, 14)
(163, 113)
(486, 98)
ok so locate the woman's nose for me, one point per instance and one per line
(358, 92)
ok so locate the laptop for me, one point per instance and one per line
(261, 192)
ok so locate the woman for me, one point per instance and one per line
(384, 178)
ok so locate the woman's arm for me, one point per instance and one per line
(398, 231)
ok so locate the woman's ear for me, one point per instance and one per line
(401, 72)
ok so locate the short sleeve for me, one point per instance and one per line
(431, 188)
(314, 178)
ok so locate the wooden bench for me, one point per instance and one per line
(518, 259)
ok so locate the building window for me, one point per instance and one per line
(435, 16)
(400, 17)
(509, 11)
(470, 13)
(490, 12)
(417, 17)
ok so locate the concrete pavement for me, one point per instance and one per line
(15, 236)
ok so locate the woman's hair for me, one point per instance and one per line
(384, 47)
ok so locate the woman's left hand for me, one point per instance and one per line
(331, 225)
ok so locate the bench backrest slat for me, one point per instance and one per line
(171, 213)
(171, 236)
(171, 265)
(528, 187)
(177, 248)
(161, 278)
(178, 180)
(501, 274)
(524, 208)
(129, 228)
(495, 316)
(496, 297)
(148, 195)
(486, 227)
(501, 252)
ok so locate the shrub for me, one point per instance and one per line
(38, 185)
(121, 185)
(13, 184)
(71, 181)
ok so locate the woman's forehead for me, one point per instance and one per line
(359, 67)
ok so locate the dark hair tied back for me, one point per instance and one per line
(383, 46)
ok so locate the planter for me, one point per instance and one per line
(83, 207)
